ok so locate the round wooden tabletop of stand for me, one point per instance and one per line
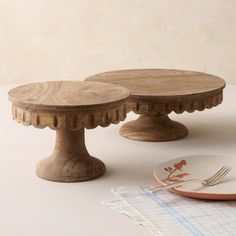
(68, 107)
(157, 92)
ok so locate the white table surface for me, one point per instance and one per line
(30, 206)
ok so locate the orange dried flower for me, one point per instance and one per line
(180, 164)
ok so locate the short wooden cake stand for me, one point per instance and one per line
(157, 92)
(69, 107)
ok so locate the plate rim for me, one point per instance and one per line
(193, 194)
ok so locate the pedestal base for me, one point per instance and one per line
(158, 128)
(70, 160)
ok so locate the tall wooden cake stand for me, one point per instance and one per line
(69, 107)
(157, 92)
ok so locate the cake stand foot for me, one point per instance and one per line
(70, 160)
(159, 128)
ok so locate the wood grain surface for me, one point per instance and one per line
(68, 104)
(161, 82)
(158, 92)
(159, 128)
(70, 160)
(65, 95)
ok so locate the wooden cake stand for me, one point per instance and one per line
(69, 107)
(157, 92)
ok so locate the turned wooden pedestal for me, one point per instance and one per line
(70, 160)
(154, 128)
(69, 108)
(155, 93)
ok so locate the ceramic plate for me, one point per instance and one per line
(199, 167)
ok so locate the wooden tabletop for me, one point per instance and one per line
(60, 95)
(146, 83)
(70, 105)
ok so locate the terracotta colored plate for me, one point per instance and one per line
(199, 167)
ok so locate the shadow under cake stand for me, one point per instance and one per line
(69, 107)
(157, 92)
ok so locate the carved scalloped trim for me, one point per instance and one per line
(178, 107)
(69, 120)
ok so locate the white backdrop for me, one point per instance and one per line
(71, 39)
